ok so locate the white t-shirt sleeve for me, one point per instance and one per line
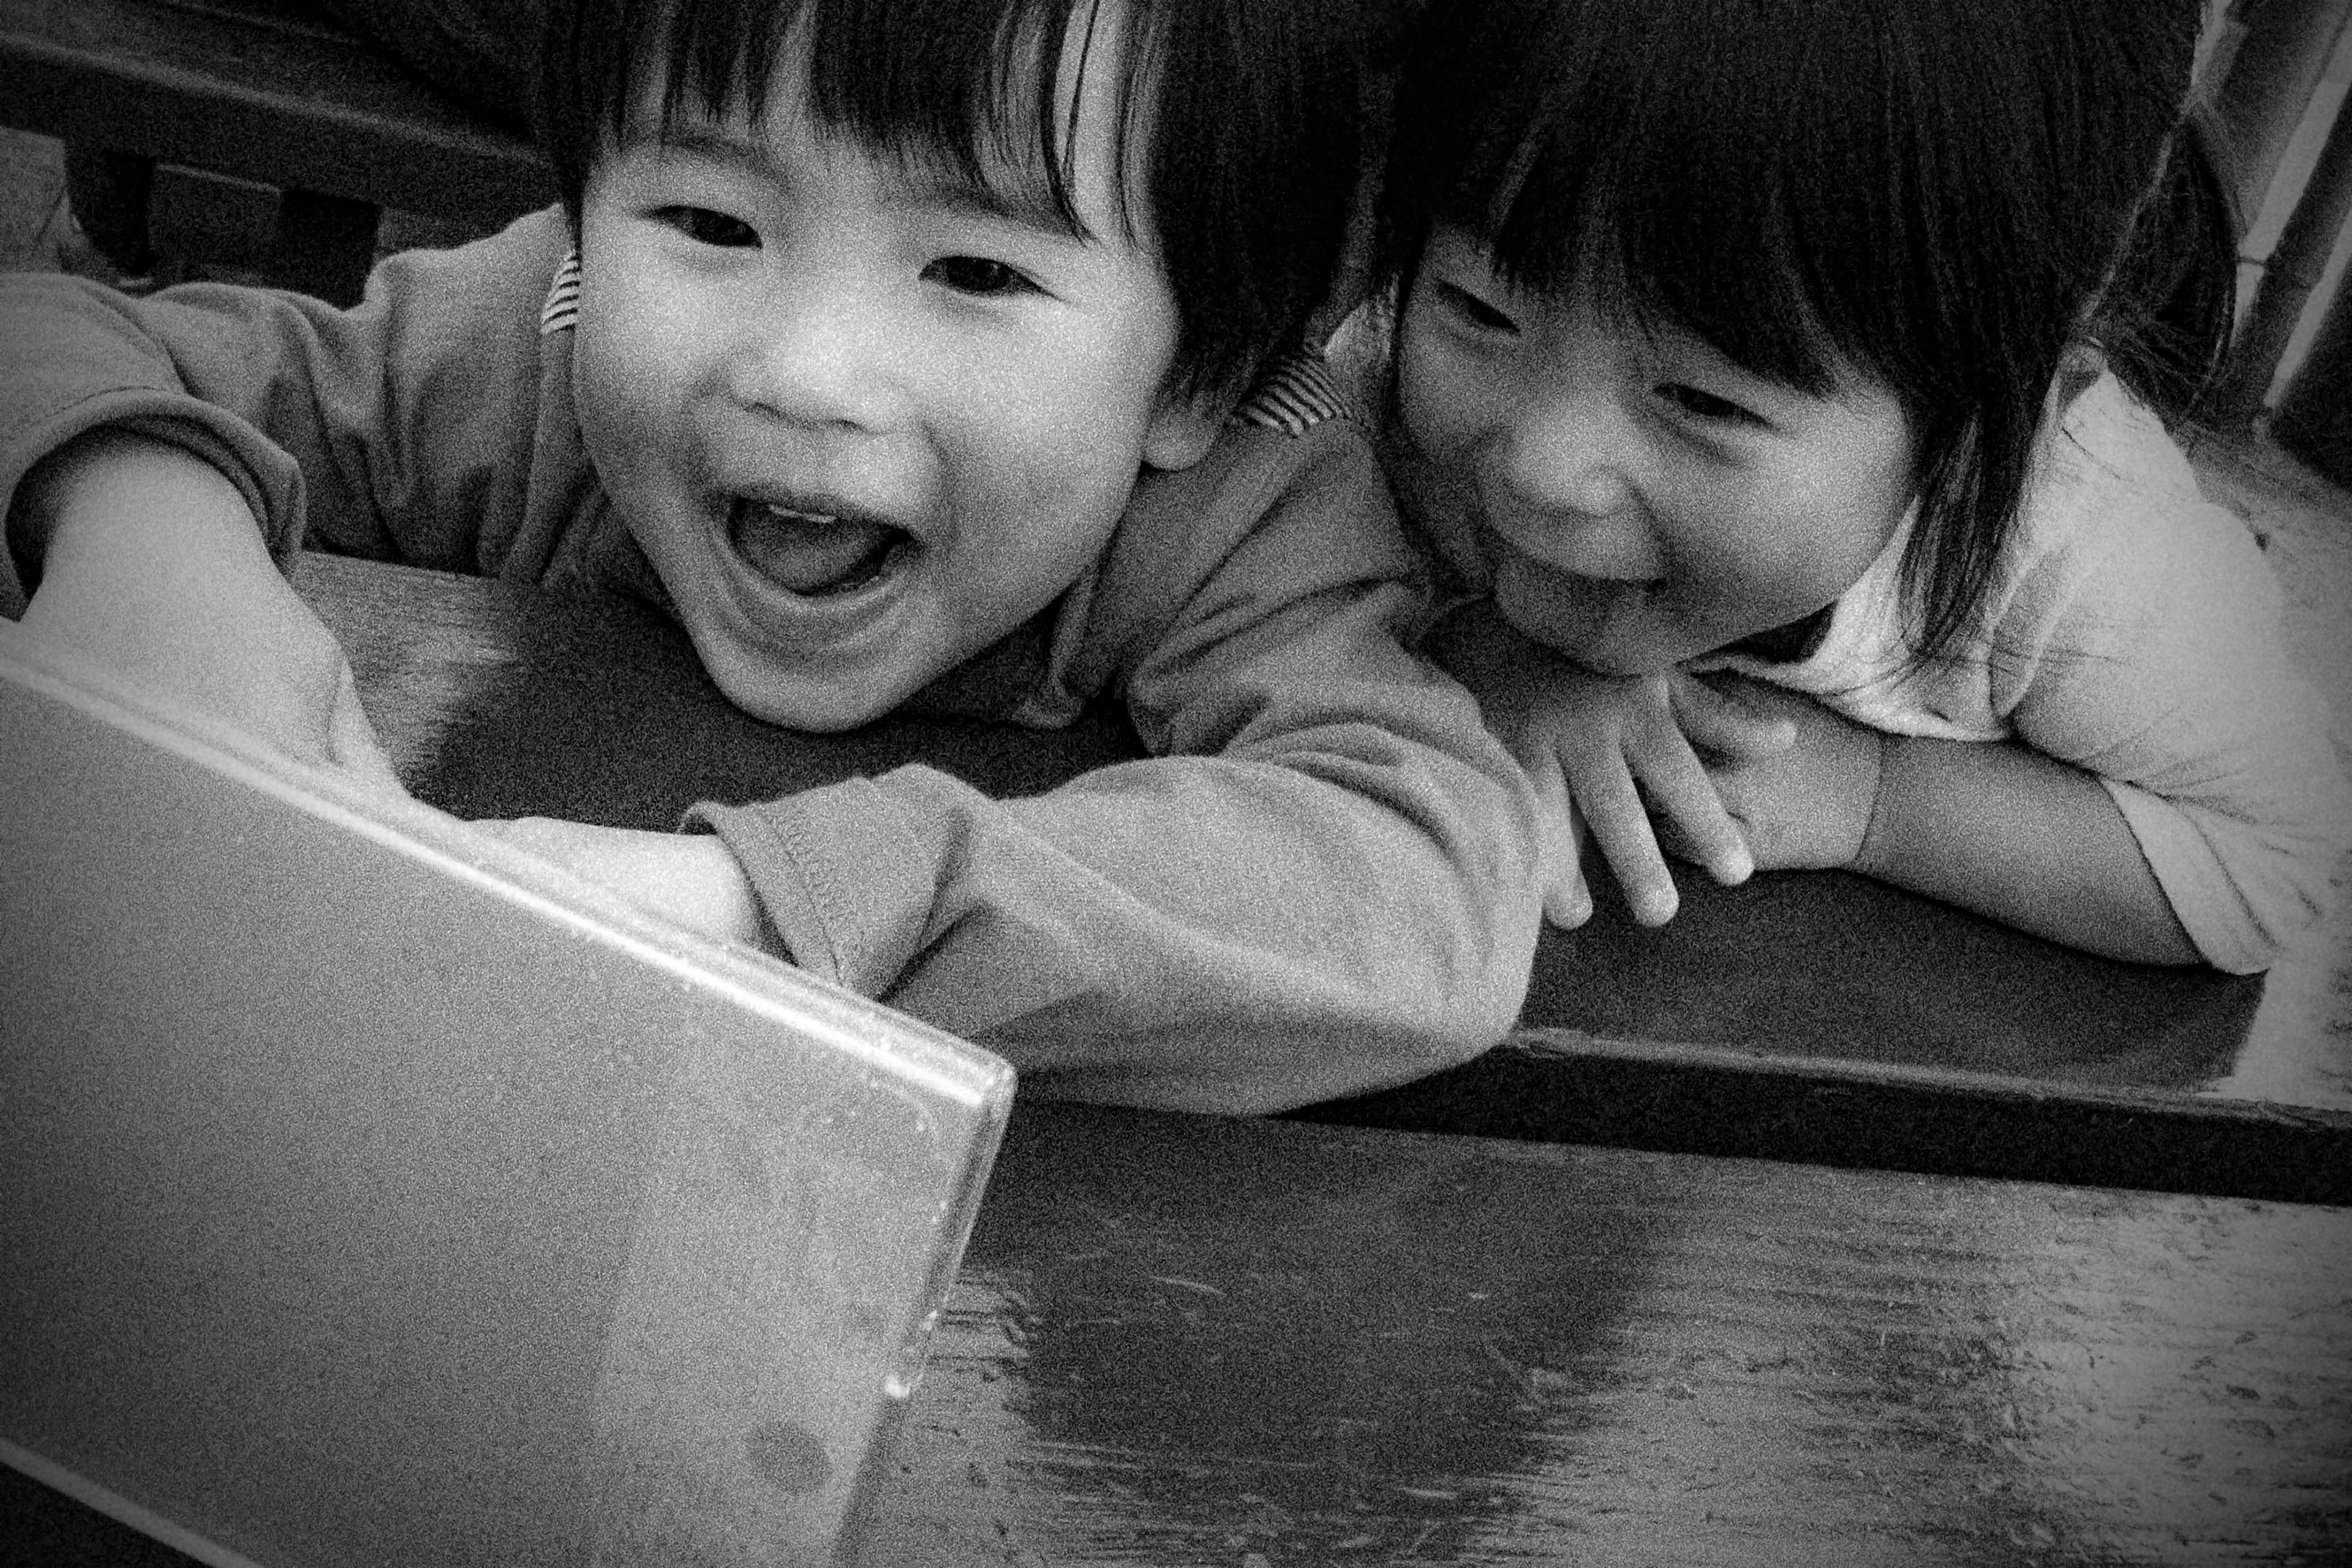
(2145, 643)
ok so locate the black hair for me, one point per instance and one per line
(1945, 196)
(1249, 109)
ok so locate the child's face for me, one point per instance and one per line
(1635, 501)
(865, 421)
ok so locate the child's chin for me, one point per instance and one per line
(827, 712)
(815, 705)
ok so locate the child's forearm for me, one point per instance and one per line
(2021, 839)
(689, 877)
(115, 515)
(152, 564)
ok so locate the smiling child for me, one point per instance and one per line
(892, 348)
(1792, 393)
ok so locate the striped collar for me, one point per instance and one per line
(1296, 394)
(563, 307)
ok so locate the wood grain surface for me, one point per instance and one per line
(1185, 1341)
(1200, 1341)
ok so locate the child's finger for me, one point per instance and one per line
(1720, 724)
(1619, 825)
(1681, 793)
(1567, 900)
(1676, 788)
(1569, 905)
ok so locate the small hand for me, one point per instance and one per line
(1627, 752)
(1809, 806)
(689, 878)
(154, 570)
(1604, 753)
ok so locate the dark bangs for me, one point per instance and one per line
(969, 90)
(1928, 193)
(1641, 159)
(1248, 110)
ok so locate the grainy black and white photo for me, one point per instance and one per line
(1229, 783)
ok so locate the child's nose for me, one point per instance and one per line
(819, 358)
(1572, 456)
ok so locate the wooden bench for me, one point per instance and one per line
(269, 91)
(1203, 1341)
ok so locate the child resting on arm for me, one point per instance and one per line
(1781, 387)
(893, 348)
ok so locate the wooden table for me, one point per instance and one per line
(1198, 1341)
(1193, 1340)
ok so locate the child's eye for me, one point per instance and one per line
(977, 275)
(1474, 310)
(705, 227)
(1706, 405)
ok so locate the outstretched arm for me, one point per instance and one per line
(152, 564)
(1322, 881)
(161, 460)
(689, 878)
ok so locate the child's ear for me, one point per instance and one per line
(1182, 430)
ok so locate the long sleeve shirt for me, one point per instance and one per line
(1321, 880)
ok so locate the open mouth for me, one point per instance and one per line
(815, 553)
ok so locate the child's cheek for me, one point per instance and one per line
(1436, 483)
(624, 414)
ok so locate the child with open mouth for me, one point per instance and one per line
(869, 338)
